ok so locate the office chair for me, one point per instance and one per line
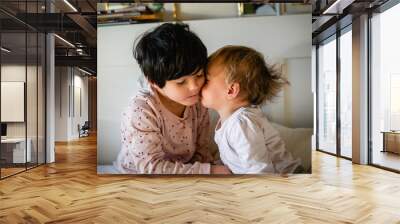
(84, 130)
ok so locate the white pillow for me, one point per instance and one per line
(298, 142)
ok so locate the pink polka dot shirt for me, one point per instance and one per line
(156, 141)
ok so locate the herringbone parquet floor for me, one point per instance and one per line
(70, 191)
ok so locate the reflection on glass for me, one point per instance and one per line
(31, 101)
(22, 90)
(41, 99)
(13, 83)
(394, 101)
(385, 114)
(327, 97)
(346, 94)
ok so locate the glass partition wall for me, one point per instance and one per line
(327, 96)
(334, 94)
(385, 89)
(334, 90)
(346, 93)
(22, 88)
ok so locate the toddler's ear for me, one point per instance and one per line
(233, 90)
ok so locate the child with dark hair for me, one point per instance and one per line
(165, 130)
(238, 82)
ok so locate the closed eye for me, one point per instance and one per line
(181, 82)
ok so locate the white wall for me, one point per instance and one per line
(79, 117)
(279, 38)
(294, 106)
(61, 103)
(15, 72)
(68, 81)
(299, 106)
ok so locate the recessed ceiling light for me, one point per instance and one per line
(84, 71)
(337, 7)
(70, 5)
(64, 40)
(5, 50)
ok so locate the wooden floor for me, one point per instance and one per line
(70, 191)
(10, 171)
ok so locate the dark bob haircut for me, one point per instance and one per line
(169, 52)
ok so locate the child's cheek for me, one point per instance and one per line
(204, 92)
(203, 81)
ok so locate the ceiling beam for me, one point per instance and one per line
(83, 23)
(81, 61)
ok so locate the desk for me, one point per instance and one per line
(391, 141)
(15, 148)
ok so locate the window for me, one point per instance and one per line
(394, 102)
(327, 96)
(385, 89)
(346, 93)
(333, 137)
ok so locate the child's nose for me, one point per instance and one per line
(194, 85)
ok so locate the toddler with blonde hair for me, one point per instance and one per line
(238, 82)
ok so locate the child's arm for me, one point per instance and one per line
(142, 139)
(203, 153)
(256, 154)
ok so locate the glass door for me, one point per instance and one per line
(13, 103)
(346, 93)
(327, 96)
(385, 89)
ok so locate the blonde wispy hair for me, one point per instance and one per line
(259, 82)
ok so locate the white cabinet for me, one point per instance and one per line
(18, 149)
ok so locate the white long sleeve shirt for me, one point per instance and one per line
(248, 144)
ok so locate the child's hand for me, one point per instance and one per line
(218, 162)
(220, 169)
(284, 175)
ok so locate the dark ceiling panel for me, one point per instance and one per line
(79, 61)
